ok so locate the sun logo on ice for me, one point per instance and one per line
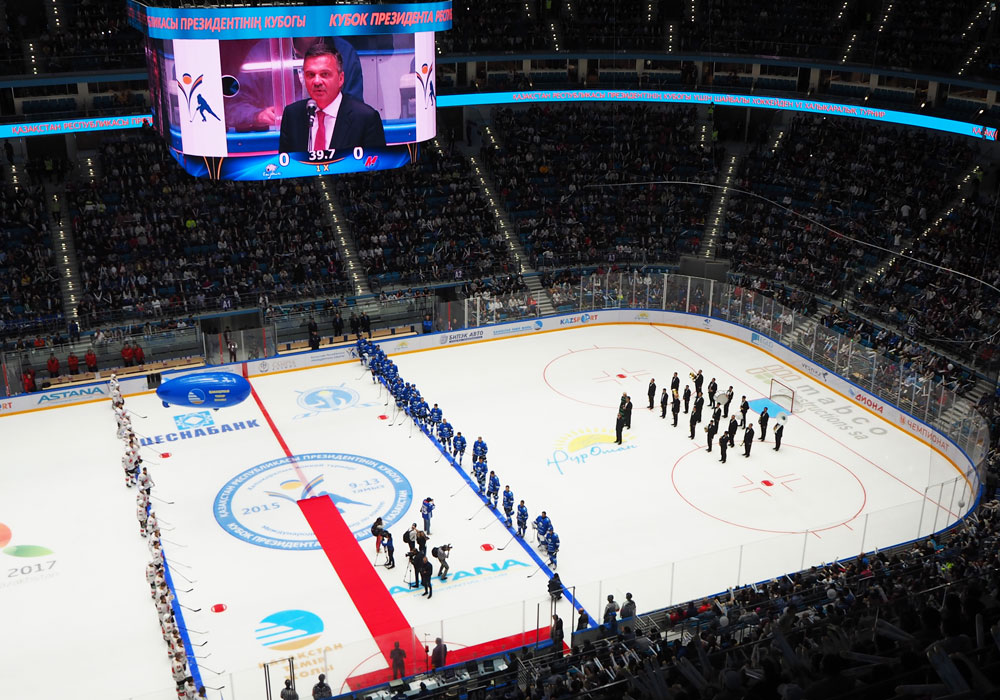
(289, 629)
(577, 446)
(328, 398)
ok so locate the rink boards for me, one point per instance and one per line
(554, 452)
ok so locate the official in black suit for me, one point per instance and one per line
(748, 440)
(744, 407)
(628, 412)
(763, 423)
(675, 407)
(664, 402)
(723, 446)
(329, 118)
(675, 383)
(652, 393)
(779, 430)
(712, 429)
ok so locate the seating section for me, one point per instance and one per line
(793, 28)
(94, 35)
(30, 298)
(151, 240)
(944, 291)
(501, 26)
(624, 25)
(835, 197)
(425, 223)
(561, 173)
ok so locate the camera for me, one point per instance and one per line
(446, 547)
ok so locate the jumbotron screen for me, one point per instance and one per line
(274, 92)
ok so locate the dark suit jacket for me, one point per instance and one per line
(357, 125)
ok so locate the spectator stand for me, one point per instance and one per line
(550, 171)
(153, 242)
(439, 228)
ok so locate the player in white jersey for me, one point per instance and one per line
(146, 482)
(141, 515)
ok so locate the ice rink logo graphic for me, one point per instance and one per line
(259, 505)
(20, 550)
(189, 421)
(328, 399)
(578, 446)
(288, 630)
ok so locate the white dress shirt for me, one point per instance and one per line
(329, 115)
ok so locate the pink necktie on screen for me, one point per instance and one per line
(320, 143)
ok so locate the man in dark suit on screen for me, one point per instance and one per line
(329, 118)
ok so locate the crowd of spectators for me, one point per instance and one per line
(560, 172)
(928, 35)
(505, 26)
(944, 302)
(623, 25)
(831, 187)
(152, 241)
(94, 35)
(792, 28)
(426, 223)
(29, 282)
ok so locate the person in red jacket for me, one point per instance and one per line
(90, 359)
(73, 363)
(139, 355)
(53, 365)
(28, 379)
(127, 354)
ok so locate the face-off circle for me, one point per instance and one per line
(813, 494)
(597, 376)
(260, 505)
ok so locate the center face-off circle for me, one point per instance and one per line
(783, 496)
(597, 376)
(260, 505)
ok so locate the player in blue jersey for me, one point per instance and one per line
(552, 546)
(479, 447)
(458, 447)
(422, 412)
(522, 519)
(494, 489)
(508, 503)
(541, 526)
(445, 433)
(435, 415)
(479, 471)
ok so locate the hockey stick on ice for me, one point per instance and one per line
(508, 543)
(178, 573)
(191, 609)
(163, 500)
(461, 488)
(164, 539)
(136, 413)
(188, 629)
(206, 668)
(534, 572)
(199, 657)
(478, 511)
(492, 520)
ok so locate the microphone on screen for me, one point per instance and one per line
(311, 108)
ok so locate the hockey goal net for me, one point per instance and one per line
(783, 395)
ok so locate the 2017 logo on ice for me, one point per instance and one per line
(258, 505)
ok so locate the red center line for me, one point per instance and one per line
(383, 618)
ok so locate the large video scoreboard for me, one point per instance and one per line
(274, 92)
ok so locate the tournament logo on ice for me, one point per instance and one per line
(326, 399)
(260, 505)
(578, 446)
(287, 630)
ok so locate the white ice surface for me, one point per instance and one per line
(660, 518)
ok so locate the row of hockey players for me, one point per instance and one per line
(137, 476)
(431, 419)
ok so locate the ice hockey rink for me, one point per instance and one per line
(262, 578)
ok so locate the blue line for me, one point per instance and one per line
(496, 513)
(181, 627)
